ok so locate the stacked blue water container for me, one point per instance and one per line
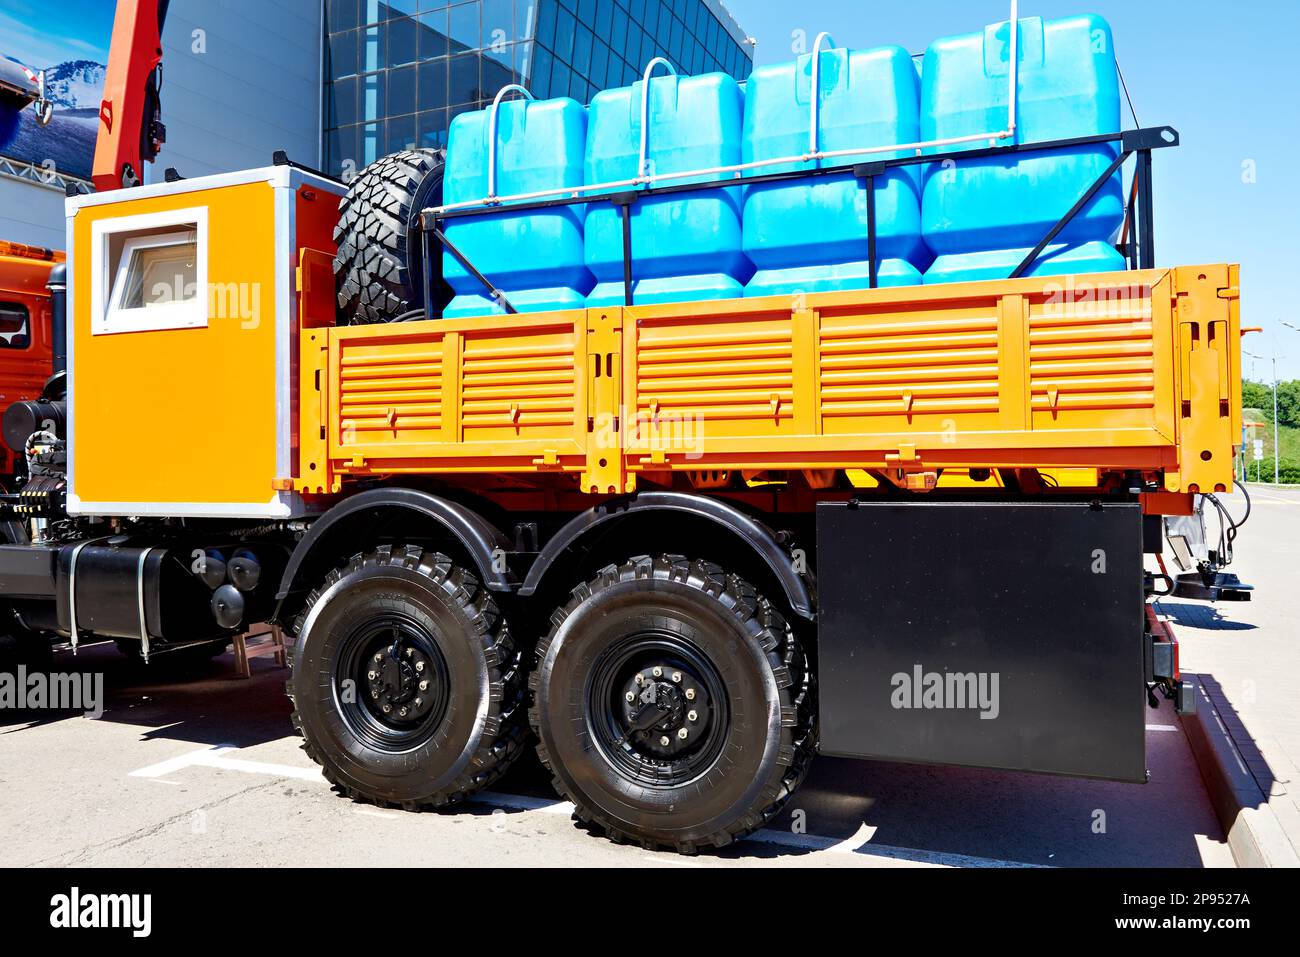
(535, 257)
(809, 235)
(684, 247)
(944, 222)
(982, 217)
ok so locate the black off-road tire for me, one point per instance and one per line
(484, 727)
(378, 270)
(770, 736)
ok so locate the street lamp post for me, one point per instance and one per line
(1276, 469)
(1293, 328)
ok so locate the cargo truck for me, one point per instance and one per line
(682, 546)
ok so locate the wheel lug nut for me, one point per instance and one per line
(665, 741)
(374, 695)
(677, 677)
(419, 666)
(630, 697)
(424, 686)
(388, 708)
(640, 678)
(410, 652)
(682, 733)
(402, 712)
(373, 675)
(690, 694)
(692, 716)
(418, 702)
(379, 656)
(658, 672)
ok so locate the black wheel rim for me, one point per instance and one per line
(391, 683)
(657, 709)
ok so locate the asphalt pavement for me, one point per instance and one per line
(205, 772)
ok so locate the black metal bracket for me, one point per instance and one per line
(624, 202)
(1139, 246)
(281, 158)
(1074, 210)
(1139, 215)
(493, 291)
(1149, 138)
(426, 279)
(867, 173)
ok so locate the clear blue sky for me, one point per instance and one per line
(45, 33)
(1226, 75)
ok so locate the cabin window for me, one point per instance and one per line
(152, 273)
(15, 326)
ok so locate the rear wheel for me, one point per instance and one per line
(406, 686)
(379, 267)
(673, 704)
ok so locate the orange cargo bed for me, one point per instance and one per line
(1134, 370)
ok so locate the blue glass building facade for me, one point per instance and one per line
(397, 71)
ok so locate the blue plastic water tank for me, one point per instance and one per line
(810, 235)
(685, 247)
(982, 217)
(536, 258)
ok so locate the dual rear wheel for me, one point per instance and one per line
(672, 704)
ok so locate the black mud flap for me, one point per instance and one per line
(984, 635)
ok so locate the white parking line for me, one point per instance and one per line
(859, 843)
(518, 802)
(377, 812)
(216, 758)
(829, 845)
(1257, 497)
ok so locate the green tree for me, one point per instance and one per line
(1256, 395)
(1288, 402)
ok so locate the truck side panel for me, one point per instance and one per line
(1115, 371)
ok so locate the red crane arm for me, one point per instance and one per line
(130, 117)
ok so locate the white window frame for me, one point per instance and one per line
(108, 317)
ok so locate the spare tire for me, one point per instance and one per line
(379, 267)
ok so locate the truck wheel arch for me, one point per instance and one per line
(712, 513)
(341, 532)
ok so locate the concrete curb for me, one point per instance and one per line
(1255, 837)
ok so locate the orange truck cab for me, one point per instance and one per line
(26, 340)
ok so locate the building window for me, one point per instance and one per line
(397, 71)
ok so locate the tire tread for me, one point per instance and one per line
(376, 271)
(764, 626)
(505, 732)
